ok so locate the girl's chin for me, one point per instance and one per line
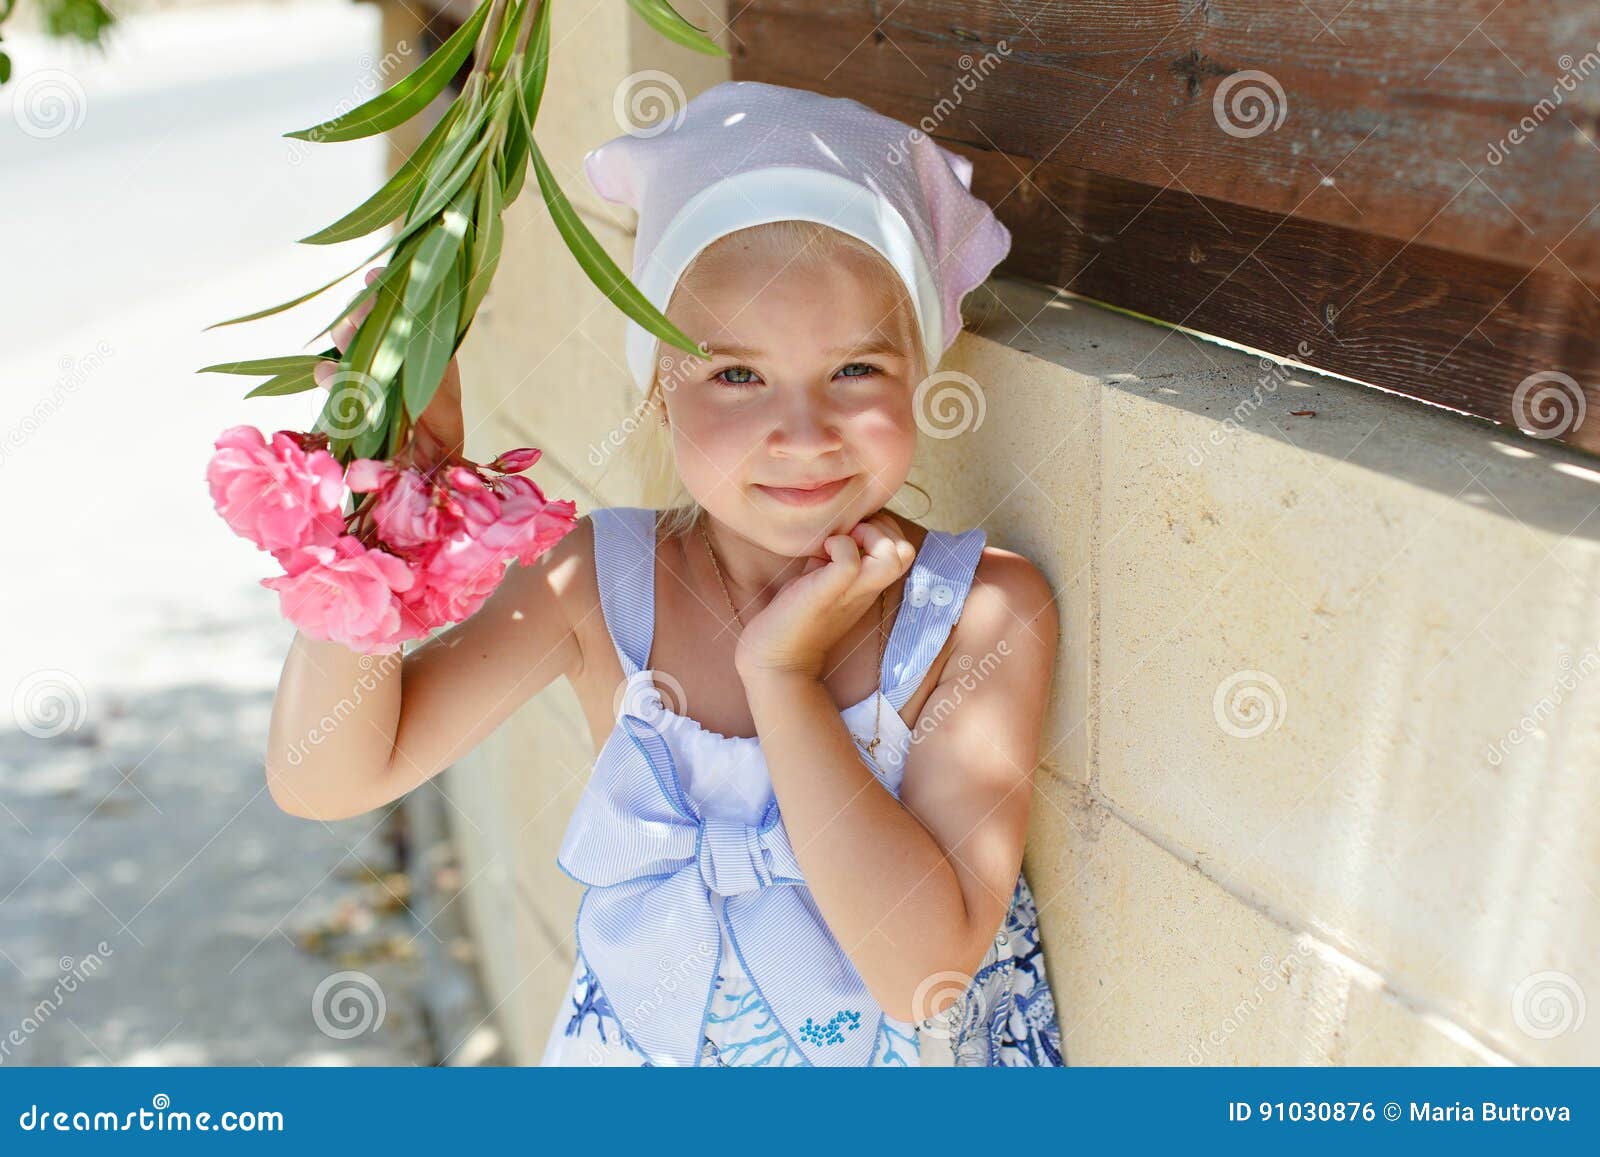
(796, 537)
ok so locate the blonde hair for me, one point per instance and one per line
(807, 245)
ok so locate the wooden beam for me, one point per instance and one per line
(1379, 209)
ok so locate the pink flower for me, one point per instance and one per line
(346, 593)
(455, 581)
(405, 511)
(529, 524)
(365, 474)
(469, 497)
(429, 549)
(277, 495)
(515, 461)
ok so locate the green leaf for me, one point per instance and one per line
(451, 168)
(304, 297)
(434, 197)
(396, 105)
(514, 161)
(399, 191)
(353, 414)
(444, 192)
(391, 339)
(431, 308)
(437, 249)
(664, 19)
(401, 256)
(265, 365)
(538, 66)
(488, 233)
(294, 382)
(391, 436)
(508, 36)
(433, 342)
(597, 263)
(370, 442)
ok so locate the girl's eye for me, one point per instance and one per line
(867, 372)
(717, 377)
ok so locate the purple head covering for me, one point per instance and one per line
(744, 153)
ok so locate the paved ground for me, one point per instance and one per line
(155, 906)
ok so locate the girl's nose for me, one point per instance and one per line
(805, 428)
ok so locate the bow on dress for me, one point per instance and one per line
(647, 924)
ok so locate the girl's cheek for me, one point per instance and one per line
(710, 454)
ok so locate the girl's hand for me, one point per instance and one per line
(795, 631)
(440, 433)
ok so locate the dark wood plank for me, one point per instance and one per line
(1444, 327)
(1368, 226)
(1392, 110)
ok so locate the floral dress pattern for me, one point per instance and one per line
(1005, 1019)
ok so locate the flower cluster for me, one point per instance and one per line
(421, 550)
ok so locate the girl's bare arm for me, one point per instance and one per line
(351, 732)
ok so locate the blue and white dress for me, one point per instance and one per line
(698, 941)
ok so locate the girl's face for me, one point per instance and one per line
(805, 385)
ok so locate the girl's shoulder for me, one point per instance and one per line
(571, 561)
(1011, 604)
(1002, 580)
(569, 569)
(579, 543)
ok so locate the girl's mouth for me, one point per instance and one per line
(793, 496)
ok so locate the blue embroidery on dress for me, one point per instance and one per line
(830, 1033)
(1006, 1018)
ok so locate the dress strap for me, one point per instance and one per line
(625, 567)
(936, 590)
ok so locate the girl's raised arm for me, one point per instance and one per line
(352, 732)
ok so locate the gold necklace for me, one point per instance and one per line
(872, 747)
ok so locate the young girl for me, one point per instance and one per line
(772, 878)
